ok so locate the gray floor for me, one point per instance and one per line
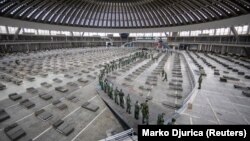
(138, 75)
(217, 102)
(88, 125)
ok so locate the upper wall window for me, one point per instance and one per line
(242, 29)
(12, 30)
(3, 29)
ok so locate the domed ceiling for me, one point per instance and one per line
(123, 13)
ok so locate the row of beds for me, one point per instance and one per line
(224, 78)
(15, 131)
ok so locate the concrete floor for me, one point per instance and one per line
(138, 75)
(215, 103)
(88, 125)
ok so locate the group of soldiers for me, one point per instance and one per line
(118, 95)
(118, 63)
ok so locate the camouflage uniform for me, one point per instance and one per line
(121, 94)
(111, 92)
(162, 73)
(137, 110)
(145, 112)
(200, 81)
(116, 95)
(160, 120)
(128, 104)
(165, 77)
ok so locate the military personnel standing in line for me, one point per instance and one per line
(160, 120)
(145, 112)
(152, 57)
(101, 83)
(165, 77)
(121, 94)
(200, 81)
(108, 88)
(137, 110)
(116, 95)
(111, 92)
(128, 101)
(105, 86)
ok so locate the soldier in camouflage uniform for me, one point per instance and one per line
(128, 101)
(105, 86)
(145, 112)
(160, 120)
(121, 94)
(162, 73)
(165, 77)
(137, 110)
(101, 84)
(111, 92)
(116, 95)
(200, 81)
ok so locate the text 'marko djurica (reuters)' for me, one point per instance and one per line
(187, 132)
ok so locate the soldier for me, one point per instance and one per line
(160, 120)
(116, 94)
(165, 77)
(111, 92)
(113, 66)
(137, 110)
(145, 112)
(105, 86)
(101, 83)
(200, 81)
(107, 71)
(128, 101)
(121, 94)
(162, 73)
(172, 121)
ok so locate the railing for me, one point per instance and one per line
(245, 44)
(120, 136)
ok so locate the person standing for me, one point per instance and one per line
(137, 110)
(200, 81)
(128, 101)
(116, 95)
(145, 112)
(160, 120)
(165, 77)
(162, 73)
(121, 94)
